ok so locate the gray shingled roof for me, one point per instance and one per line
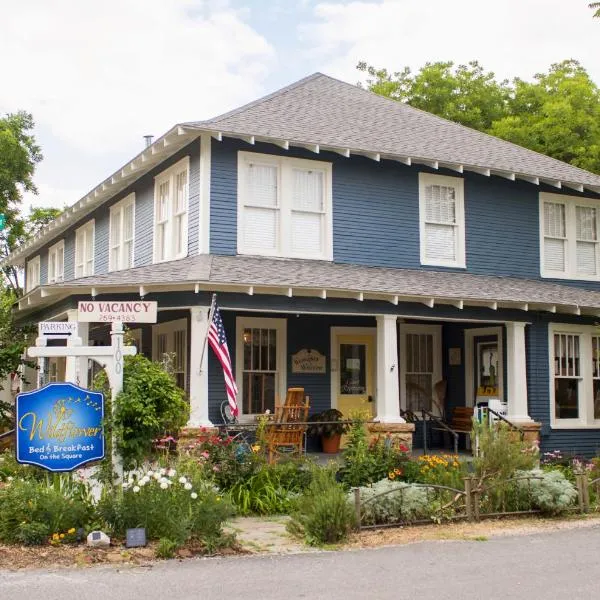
(309, 274)
(325, 111)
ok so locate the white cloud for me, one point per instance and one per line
(514, 37)
(102, 74)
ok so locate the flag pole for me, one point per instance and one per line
(209, 321)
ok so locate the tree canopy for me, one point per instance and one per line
(557, 113)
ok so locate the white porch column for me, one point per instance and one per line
(516, 375)
(388, 393)
(198, 372)
(77, 366)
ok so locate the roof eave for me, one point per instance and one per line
(429, 161)
(47, 295)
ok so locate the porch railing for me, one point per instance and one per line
(441, 424)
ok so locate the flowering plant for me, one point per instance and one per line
(441, 469)
(169, 503)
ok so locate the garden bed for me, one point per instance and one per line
(48, 557)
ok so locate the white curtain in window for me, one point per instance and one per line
(440, 223)
(587, 239)
(308, 212)
(554, 236)
(261, 215)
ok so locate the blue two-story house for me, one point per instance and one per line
(374, 254)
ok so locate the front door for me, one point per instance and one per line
(354, 376)
(484, 361)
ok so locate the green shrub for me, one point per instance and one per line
(549, 491)
(31, 511)
(323, 514)
(400, 502)
(367, 462)
(169, 505)
(149, 406)
(166, 548)
(501, 452)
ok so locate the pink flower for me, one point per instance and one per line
(205, 454)
(216, 468)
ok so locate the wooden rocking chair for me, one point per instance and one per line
(285, 434)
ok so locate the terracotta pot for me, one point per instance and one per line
(331, 443)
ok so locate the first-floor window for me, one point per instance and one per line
(169, 346)
(260, 361)
(575, 371)
(422, 366)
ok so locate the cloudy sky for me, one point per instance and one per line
(97, 76)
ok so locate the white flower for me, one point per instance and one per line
(157, 476)
(144, 480)
(164, 480)
(136, 489)
(9, 478)
(164, 485)
(150, 473)
(125, 485)
(171, 472)
(163, 472)
(188, 486)
(182, 480)
(194, 495)
(268, 411)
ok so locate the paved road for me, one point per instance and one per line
(563, 565)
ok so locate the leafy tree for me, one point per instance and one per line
(557, 114)
(20, 230)
(595, 6)
(466, 93)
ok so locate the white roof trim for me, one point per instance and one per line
(35, 298)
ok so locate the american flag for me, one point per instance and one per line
(218, 342)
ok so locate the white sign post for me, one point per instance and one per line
(110, 357)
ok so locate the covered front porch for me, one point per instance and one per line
(346, 355)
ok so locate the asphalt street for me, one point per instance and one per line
(549, 566)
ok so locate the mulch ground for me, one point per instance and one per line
(480, 531)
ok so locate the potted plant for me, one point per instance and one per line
(328, 425)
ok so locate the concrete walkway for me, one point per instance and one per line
(266, 534)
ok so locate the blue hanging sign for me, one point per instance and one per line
(60, 427)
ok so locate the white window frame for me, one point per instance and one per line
(119, 208)
(586, 384)
(570, 203)
(33, 273)
(170, 175)
(436, 332)
(54, 275)
(284, 166)
(83, 235)
(169, 328)
(280, 326)
(426, 179)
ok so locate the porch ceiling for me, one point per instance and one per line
(293, 277)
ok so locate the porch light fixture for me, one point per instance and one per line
(247, 336)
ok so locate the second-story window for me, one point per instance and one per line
(284, 206)
(56, 262)
(84, 250)
(171, 190)
(569, 237)
(442, 220)
(33, 274)
(122, 225)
